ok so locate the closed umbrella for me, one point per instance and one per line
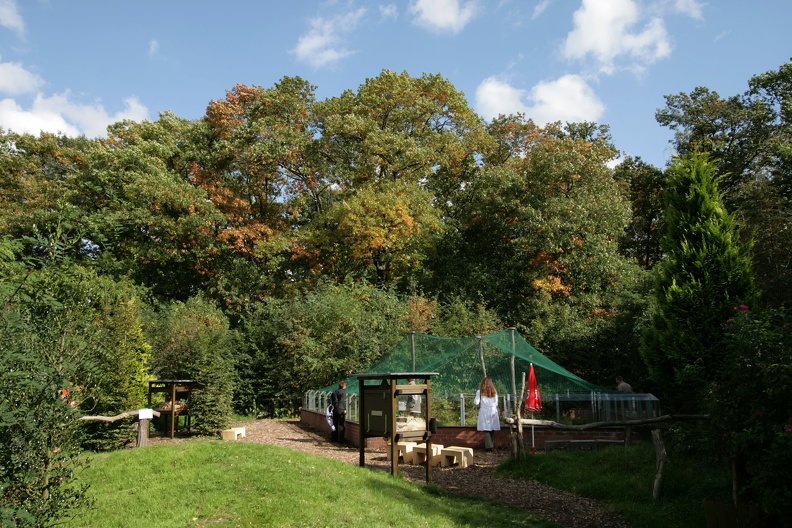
(533, 402)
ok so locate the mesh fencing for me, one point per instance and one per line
(461, 363)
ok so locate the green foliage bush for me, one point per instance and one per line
(39, 437)
(46, 352)
(313, 340)
(193, 340)
(751, 406)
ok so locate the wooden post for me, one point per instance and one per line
(660, 464)
(393, 424)
(361, 424)
(143, 433)
(517, 440)
(173, 409)
(429, 451)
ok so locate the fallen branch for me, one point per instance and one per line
(143, 429)
(116, 417)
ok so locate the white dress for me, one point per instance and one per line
(488, 418)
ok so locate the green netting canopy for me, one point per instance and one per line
(462, 362)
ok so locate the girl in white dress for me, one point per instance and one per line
(488, 416)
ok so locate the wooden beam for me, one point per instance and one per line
(116, 417)
(594, 425)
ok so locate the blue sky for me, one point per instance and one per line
(76, 66)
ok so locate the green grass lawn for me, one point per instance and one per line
(622, 477)
(212, 483)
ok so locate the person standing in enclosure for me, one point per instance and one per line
(338, 400)
(488, 416)
(622, 385)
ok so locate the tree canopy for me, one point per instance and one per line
(282, 241)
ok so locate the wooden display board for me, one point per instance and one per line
(379, 407)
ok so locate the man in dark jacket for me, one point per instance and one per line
(338, 400)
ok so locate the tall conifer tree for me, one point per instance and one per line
(704, 276)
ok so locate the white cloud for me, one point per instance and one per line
(568, 98)
(15, 79)
(33, 121)
(389, 11)
(10, 17)
(606, 30)
(153, 48)
(540, 8)
(443, 15)
(322, 45)
(495, 97)
(59, 114)
(691, 8)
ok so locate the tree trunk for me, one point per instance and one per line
(143, 433)
(660, 464)
(517, 439)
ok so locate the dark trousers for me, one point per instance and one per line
(489, 440)
(339, 421)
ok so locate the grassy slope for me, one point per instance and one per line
(239, 484)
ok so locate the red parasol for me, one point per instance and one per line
(533, 401)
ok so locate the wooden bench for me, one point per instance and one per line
(456, 455)
(404, 450)
(235, 433)
(557, 445)
(420, 455)
(583, 445)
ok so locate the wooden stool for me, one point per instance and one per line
(456, 455)
(235, 433)
(404, 450)
(420, 455)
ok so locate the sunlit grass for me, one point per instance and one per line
(212, 483)
(623, 477)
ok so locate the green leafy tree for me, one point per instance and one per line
(751, 406)
(122, 356)
(642, 237)
(535, 234)
(381, 233)
(142, 214)
(39, 435)
(459, 317)
(312, 340)
(44, 351)
(193, 340)
(705, 274)
(390, 150)
(87, 321)
(398, 127)
(749, 139)
(38, 175)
